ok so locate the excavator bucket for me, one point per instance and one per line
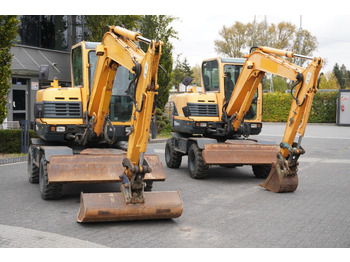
(105, 165)
(282, 178)
(240, 152)
(105, 207)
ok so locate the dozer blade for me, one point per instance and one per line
(281, 178)
(96, 168)
(104, 207)
(244, 152)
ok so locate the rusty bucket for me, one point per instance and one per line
(282, 177)
(104, 207)
(242, 152)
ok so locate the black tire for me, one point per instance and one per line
(261, 171)
(33, 170)
(48, 192)
(196, 165)
(172, 158)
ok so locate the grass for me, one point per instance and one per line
(12, 155)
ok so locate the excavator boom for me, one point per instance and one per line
(283, 175)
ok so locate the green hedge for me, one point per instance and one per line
(10, 140)
(276, 107)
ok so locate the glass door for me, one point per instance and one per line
(19, 98)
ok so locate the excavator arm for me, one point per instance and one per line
(283, 176)
(118, 49)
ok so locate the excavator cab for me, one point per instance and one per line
(121, 105)
(201, 113)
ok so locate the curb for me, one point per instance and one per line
(160, 140)
(4, 161)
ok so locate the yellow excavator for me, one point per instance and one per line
(212, 127)
(112, 99)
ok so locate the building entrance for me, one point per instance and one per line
(19, 103)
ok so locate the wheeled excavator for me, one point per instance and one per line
(212, 127)
(112, 99)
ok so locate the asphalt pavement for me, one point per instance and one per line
(226, 210)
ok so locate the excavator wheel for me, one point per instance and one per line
(172, 158)
(196, 165)
(47, 191)
(261, 171)
(33, 170)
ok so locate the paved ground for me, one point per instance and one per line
(227, 209)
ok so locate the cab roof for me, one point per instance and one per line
(232, 60)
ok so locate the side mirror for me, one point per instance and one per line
(187, 80)
(44, 72)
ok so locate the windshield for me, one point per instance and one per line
(231, 75)
(121, 105)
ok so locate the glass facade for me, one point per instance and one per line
(59, 32)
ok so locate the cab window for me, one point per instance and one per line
(210, 73)
(120, 108)
(231, 75)
(77, 64)
(121, 104)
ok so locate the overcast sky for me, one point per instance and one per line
(201, 20)
(198, 32)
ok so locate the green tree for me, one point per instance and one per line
(328, 81)
(235, 39)
(131, 22)
(239, 37)
(158, 27)
(181, 70)
(342, 75)
(345, 76)
(96, 25)
(8, 34)
(178, 73)
(279, 84)
(196, 75)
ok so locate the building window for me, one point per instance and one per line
(59, 32)
(19, 81)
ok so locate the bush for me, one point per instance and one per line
(324, 108)
(10, 140)
(276, 107)
(161, 120)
